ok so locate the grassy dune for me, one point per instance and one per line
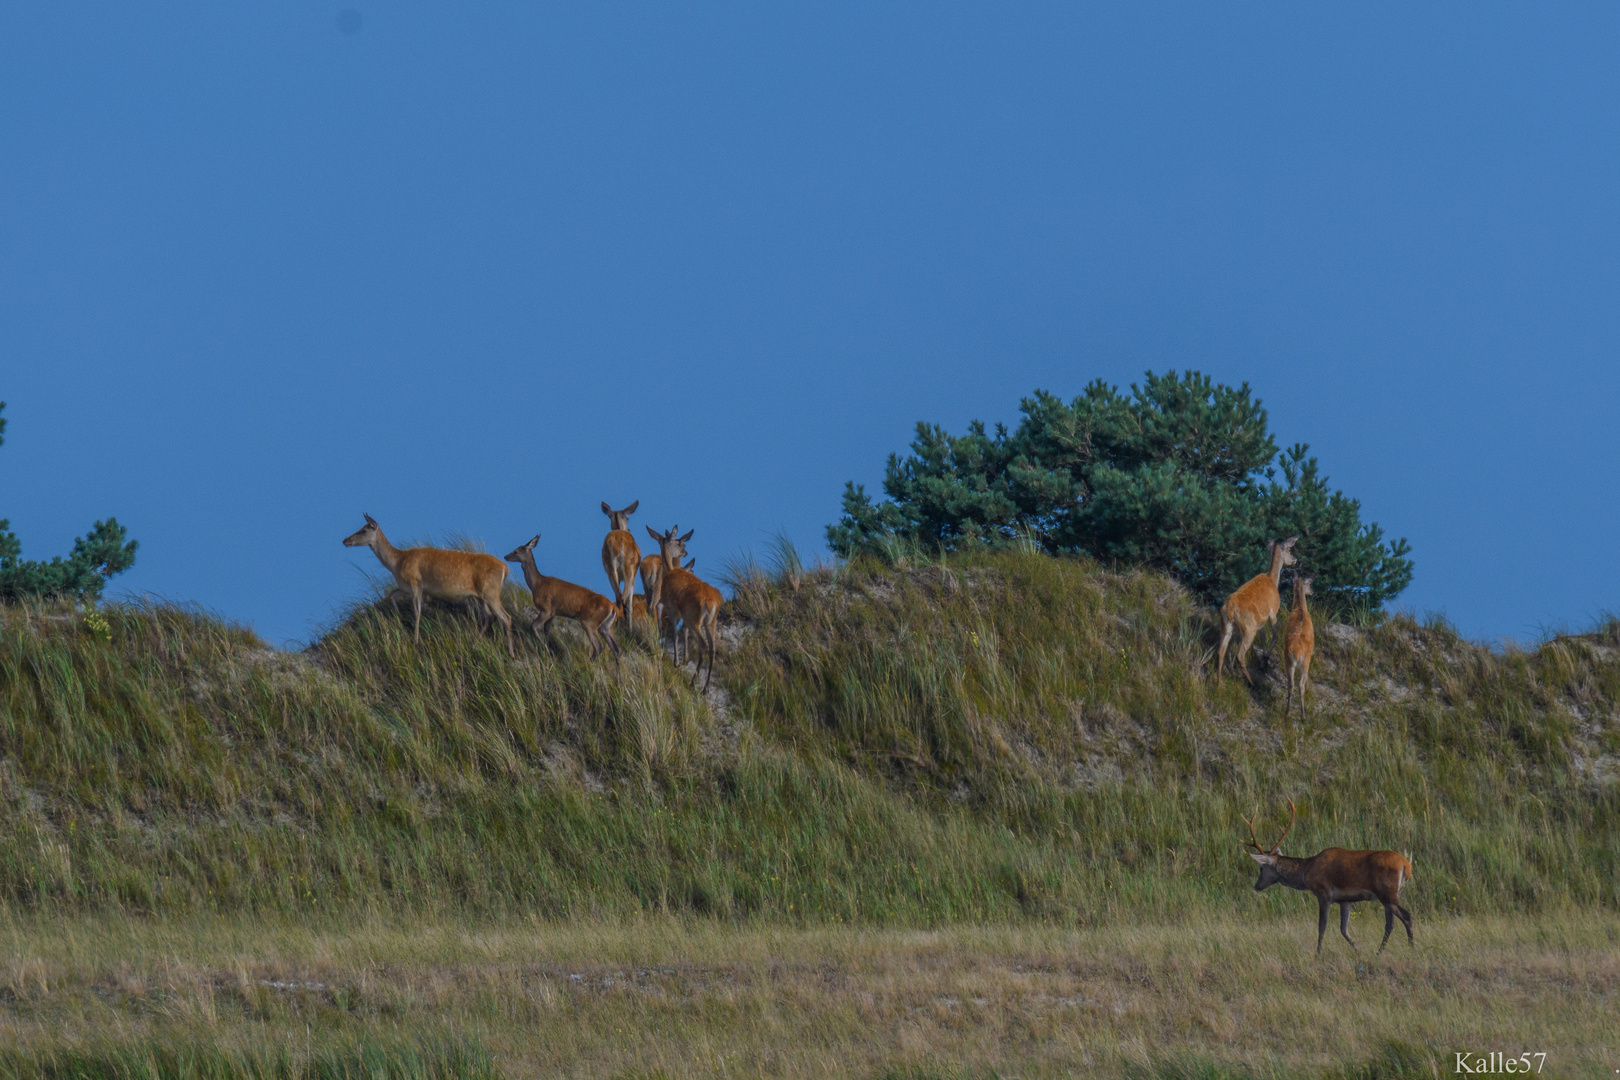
(1028, 745)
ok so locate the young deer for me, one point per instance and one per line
(447, 575)
(691, 599)
(1254, 604)
(620, 557)
(1299, 642)
(652, 571)
(1337, 876)
(554, 596)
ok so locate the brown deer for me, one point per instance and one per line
(1299, 643)
(554, 596)
(621, 555)
(691, 599)
(446, 575)
(652, 571)
(1337, 876)
(1254, 604)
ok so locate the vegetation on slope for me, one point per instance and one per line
(990, 737)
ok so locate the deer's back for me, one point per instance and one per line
(1255, 601)
(619, 548)
(1301, 634)
(1367, 874)
(566, 598)
(688, 592)
(450, 573)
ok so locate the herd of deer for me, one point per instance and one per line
(673, 598)
(677, 601)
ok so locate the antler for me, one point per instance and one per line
(1293, 815)
(1252, 841)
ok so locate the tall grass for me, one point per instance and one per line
(997, 737)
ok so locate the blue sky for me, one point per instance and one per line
(477, 268)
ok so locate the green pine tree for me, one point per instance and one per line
(1181, 475)
(81, 576)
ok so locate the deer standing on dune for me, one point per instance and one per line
(436, 572)
(1299, 643)
(554, 596)
(691, 599)
(1337, 876)
(621, 556)
(1254, 604)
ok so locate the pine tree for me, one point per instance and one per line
(1179, 475)
(81, 576)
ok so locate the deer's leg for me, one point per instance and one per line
(1288, 706)
(1406, 921)
(1322, 904)
(1304, 683)
(416, 604)
(1389, 926)
(607, 632)
(1344, 923)
(1243, 652)
(711, 636)
(1226, 638)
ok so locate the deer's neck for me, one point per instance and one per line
(1276, 565)
(1299, 604)
(1291, 872)
(531, 573)
(386, 553)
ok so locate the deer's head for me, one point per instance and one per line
(620, 519)
(670, 546)
(1270, 872)
(1302, 584)
(526, 552)
(366, 536)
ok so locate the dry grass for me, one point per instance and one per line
(693, 998)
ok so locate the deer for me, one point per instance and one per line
(1336, 876)
(694, 601)
(1299, 642)
(1255, 603)
(554, 596)
(447, 575)
(620, 558)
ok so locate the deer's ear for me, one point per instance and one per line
(632, 507)
(1263, 860)
(654, 535)
(533, 542)
(606, 509)
(688, 535)
(1290, 542)
(369, 519)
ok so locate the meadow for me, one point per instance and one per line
(968, 817)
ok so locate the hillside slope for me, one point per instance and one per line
(1007, 737)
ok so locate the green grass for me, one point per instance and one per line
(1000, 738)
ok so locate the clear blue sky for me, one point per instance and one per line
(478, 267)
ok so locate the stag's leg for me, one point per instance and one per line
(1344, 923)
(1322, 904)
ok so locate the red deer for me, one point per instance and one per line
(446, 575)
(1299, 642)
(554, 596)
(1337, 876)
(694, 601)
(1254, 604)
(652, 571)
(620, 557)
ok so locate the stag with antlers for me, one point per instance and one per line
(1336, 876)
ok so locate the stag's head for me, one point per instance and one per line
(1270, 872)
(366, 536)
(519, 554)
(620, 519)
